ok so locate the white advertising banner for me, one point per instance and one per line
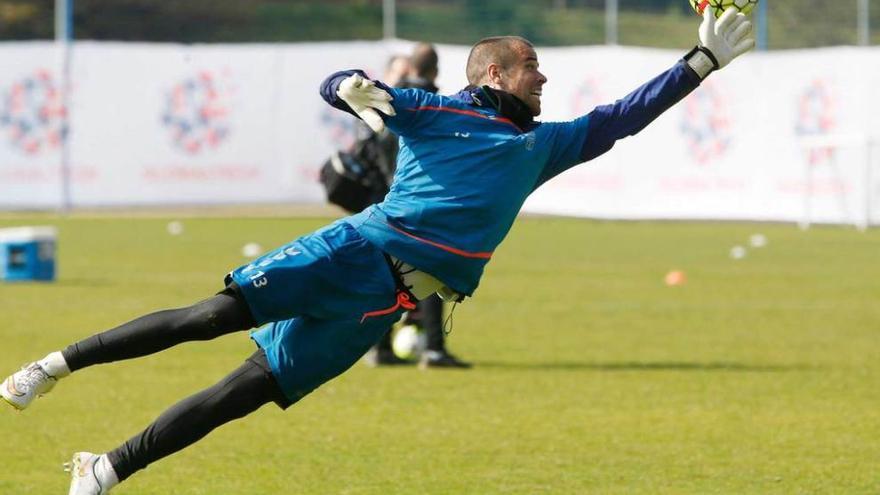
(776, 136)
(170, 124)
(32, 126)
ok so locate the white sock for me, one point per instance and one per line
(55, 365)
(105, 473)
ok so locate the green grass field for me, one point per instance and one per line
(759, 376)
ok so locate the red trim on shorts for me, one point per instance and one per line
(467, 254)
(402, 302)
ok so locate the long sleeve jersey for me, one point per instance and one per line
(464, 170)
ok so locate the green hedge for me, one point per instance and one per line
(658, 23)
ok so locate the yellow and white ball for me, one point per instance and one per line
(409, 342)
(744, 6)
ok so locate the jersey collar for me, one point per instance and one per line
(504, 103)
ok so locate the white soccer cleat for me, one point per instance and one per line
(83, 478)
(25, 385)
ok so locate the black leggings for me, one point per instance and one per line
(242, 392)
(223, 313)
(429, 315)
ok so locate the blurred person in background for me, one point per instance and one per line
(466, 165)
(397, 69)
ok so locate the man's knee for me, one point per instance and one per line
(214, 317)
(243, 391)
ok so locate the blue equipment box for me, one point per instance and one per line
(28, 253)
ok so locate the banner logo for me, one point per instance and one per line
(341, 128)
(32, 115)
(586, 97)
(705, 124)
(815, 117)
(197, 112)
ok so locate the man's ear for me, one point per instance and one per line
(493, 73)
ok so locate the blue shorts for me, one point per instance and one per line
(312, 296)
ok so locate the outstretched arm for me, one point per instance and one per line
(629, 115)
(595, 133)
(720, 43)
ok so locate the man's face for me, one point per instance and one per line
(523, 79)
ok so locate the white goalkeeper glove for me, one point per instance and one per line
(365, 98)
(721, 41)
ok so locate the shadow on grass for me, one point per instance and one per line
(646, 366)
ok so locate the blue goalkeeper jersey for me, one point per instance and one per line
(464, 170)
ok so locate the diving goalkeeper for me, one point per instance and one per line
(467, 162)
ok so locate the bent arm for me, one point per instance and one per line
(402, 100)
(330, 86)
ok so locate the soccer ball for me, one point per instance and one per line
(744, 6)
(409, 342)
(251, 250)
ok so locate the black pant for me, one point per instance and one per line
(242, 392)
(223, 313)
